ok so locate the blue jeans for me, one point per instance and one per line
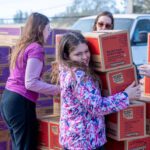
(19, 114)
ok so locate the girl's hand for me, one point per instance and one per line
(144, 70)
(133, 91)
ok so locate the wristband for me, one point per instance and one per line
(125, 93)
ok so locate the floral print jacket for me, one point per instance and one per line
(82, 124)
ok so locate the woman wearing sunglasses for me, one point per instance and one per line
(104, 21)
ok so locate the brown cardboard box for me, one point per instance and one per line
(42, 111)
(135, 144)
(49, 59)
(148, 48)
(51, 42)
(49, 133)
(117, 80)
(9, 34)
(4, 73)
(110, 50)
(49, 55)
(147, 80)
(5, 51)
(56, 105)
(147, 86)
(4, 140)
(128, 123)
(147, 102)
(44, 105)
(58, 38)
(2, 87)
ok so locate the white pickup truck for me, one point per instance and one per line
(138, 26)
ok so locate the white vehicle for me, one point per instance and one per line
(138, 26)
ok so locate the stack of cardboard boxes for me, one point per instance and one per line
(142, 143)
(45, 103)
(49, 124)
(112, 59)
(8, 37)
(147, 80)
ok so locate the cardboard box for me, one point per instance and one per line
(147, 86)
(44, 97)
(45, 102)
(2, 87)
(44, 106)
(11, 33)
(4, 73)
(136, 144)
(49, 132)
(49, 51)
(4, 139)
(110, 50)
(128, 123)
(148, 48)
(49, 55)
(51, 39)
(49, 59)
(117, 80)
(42, 111)
(4, 55)
(0, 96)
(3, 126)
(147, 102)
(4, 145)
(56, 105)
(58, 38)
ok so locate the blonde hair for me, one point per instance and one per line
(32, 32)
(54, 74)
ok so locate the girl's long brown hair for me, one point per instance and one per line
(32, 32)
(67, 44)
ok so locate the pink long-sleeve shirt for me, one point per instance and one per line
(82, 125)
(25, 80)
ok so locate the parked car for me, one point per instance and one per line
(138, 26)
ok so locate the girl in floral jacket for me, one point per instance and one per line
(82, 125)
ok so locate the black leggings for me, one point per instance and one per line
(20, 117)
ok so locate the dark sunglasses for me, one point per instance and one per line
(107, 25)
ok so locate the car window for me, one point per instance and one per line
(123, 23)
(84, 25)
(140, 32)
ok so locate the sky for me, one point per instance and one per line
(48, 7)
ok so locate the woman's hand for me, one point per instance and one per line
(144, 70)
(133, 91)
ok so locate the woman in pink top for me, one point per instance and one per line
(83, 108)
(24, 84)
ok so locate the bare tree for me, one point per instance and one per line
(20, 17)
(141, 6)
(82, 8)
